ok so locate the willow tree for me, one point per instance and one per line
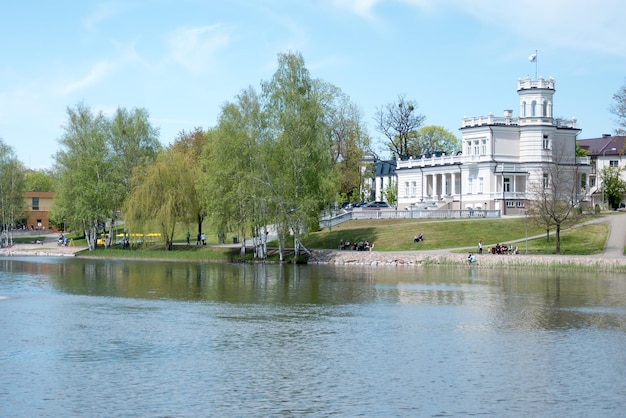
(85, 179)
(193, 144)
(298, 170)
(160, 195)
(12, 187)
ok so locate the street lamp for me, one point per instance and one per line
(603, 157)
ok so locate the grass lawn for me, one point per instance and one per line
(397, 235)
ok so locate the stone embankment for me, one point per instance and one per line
(429, 258)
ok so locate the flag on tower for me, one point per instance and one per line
(533, 57)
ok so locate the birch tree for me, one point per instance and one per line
(297, 153)
(84, 171)
(12, 187)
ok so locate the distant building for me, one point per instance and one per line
(603, 152)
(501, 160)
(37, 207)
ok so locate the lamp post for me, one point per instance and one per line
(603, 157)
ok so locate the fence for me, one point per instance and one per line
(333, 220)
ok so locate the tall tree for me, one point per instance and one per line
(431, 139)
(160, 195)
(348, 136)
(298, 158)
(135, 143)
(618, 108)
(397, 121)
(231, 182)
(193, 144)
(12, 187)
(84, 171)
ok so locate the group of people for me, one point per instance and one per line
(498, 249)
(356, 246)
(418, 238)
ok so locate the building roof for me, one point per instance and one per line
(384, 168)
(605, 145)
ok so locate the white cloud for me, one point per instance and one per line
(362, 8)
(103, 11)
(96, 74)
(195, 48)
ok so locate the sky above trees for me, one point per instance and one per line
(181, 60)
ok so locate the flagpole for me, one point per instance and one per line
(536, 59)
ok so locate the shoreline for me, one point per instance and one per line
(405, 259)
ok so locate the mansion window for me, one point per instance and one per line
(546, 142)
(507, 184)
(520, 203)
(533, 108)
(614, 163)
(592, 181)
(406, 189)
(510, 204)
(480, 184)
(414, 189)
(546, 181)
(483, 147)
(469, 185)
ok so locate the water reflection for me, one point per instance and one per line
(198, 339)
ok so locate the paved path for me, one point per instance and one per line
(617, 235)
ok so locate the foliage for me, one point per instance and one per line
(398, 121)
(193, 144)
(94, 163)
(40, 180)
(613, 187)
(348, 136)
(161, 194)
(12, 187)
(298, 170)
(431, 139)
(390, 193)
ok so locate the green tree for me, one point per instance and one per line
(40, 180)
(397, 121)
(231, 182)
(348, 135)
(85, 177)
(299, 170)
(613, 187)
(193, 144)
(12, 187)
(160, 195)
(390, 193)
(431, 139)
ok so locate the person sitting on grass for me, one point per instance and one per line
(471, 258)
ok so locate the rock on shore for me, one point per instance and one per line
(424, 258)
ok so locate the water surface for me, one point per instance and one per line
(107, 338)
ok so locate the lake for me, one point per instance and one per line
(101, 338)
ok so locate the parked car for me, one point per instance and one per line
(376, 205)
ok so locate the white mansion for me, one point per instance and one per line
(501, 160)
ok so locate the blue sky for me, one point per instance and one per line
(183, 59)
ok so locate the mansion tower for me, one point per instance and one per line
(503, 161)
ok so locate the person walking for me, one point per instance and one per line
(480, 246)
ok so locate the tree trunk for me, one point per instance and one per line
(558, 239)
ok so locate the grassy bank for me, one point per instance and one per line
(397, 235)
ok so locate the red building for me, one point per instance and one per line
(37, 207)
